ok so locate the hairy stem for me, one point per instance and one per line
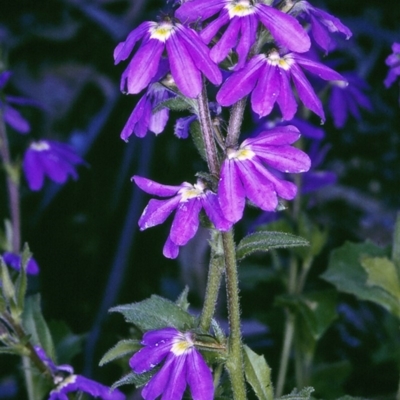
(13, 188)
(208, 135)
(33, 357)
(235, 358)
(215, 272)
(235, 122)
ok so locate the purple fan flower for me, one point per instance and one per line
(348, 99)
(188, 57)
(393, 62)
(322, 23)
(143, 119)
(183, 366)
(54, 159)
(14, 261)
(187, 200)
(267, 77)
(75, 383)
(242, 18)
(246, 171)
(12, 116)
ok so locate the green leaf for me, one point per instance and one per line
(197, 137)
(258, 374)
(316, 309)
(7, 285)
(121, 349)
(182, 300)
(304, 394)
(396, 245)
(177, 103)
(134, 379)
(67, 343)
(346, 272)
(156, 313)
(328, 379)
(22, 280)
(314, 313)
(382, 273)
(36, 326)
(264, 241)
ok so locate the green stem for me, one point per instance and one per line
(22, 336)
(13, 188)
(288, 334)
(286, 350)
(234, 363)
(215, 272)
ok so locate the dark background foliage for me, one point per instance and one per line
(85, 235)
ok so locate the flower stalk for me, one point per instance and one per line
(12, 179)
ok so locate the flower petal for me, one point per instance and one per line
(258, 189)
(186, 221)
(157, 211)
(148, 357)
(200, 53)
(241, 82)
(277, 136)
(157, 189)
(124, 49)
(170, 250)
(231, 194)
(284, 28)
(183, 68)
(199, 377)
(266, 91)
(143, 67)
(213, 210)
(192, 10)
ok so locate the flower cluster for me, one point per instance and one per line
(183, 366)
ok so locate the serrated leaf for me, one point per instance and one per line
(121, 349)
(134, 379)
(197, 137)
(304, 394)
(265, 241)
(258, 374)
(156, 313)
(382, 273)
(10, 350)
(348, 275)
(36, 326)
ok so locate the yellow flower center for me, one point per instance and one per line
(161, 31)
(182, 344)
(240, 154)
(284, 62)
(193, 191)
(40, 146)
(239, 8)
